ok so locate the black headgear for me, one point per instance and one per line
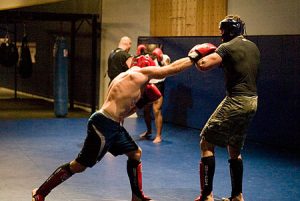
(231, 28)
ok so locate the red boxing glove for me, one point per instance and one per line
(201, 50)
(158, 54)
(141, 50)
(142, 61)
(151, 94)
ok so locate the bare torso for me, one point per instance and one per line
(124, 91)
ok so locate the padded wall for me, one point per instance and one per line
(191, 96)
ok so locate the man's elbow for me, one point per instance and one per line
(202, 65)
(206, 64)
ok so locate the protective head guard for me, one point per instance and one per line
(231, 27)
(141, 50)
(143, 61)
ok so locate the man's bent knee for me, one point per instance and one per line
(136, 154)
(234, 153)
(207, 149)
(76, 167)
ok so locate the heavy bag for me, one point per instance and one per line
(8, 54)
(25, 63)
(60, 53)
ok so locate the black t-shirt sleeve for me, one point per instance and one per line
(123, 55)
(222, 51)
(127, 55)
(117, 63)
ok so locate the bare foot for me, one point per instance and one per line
(157, 140)
(145, 134)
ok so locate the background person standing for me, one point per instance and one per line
(119, 59)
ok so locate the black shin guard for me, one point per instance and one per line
(207, 171)
(236, 173)
(61, 174)
(134, 170)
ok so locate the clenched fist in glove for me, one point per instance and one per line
(201, 50)
(151, 94)
(157, 52)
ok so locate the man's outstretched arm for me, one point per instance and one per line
(168, 70)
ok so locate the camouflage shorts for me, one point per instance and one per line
(229, 122)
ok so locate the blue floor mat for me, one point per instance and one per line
(30, 150)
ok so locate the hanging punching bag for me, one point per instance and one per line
(25, 63)
(8, 53)
(60, 53)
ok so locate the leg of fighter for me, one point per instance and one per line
(134, 171)
(60, 175)
(206, 171)
(158, 119)
(236, 174)
(147, 119)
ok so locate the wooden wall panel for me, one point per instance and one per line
(191, 13)
(186, 17)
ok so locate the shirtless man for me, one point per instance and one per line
(105, 132)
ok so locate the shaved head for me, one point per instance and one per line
(125, 43)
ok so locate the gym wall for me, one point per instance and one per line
(186, 18)
(121, 18)
(268, 17)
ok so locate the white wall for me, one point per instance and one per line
(120, 18)
(268, 17)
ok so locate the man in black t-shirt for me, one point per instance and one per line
(119, 60)
(227, 126)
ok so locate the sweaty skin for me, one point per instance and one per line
(126, 89)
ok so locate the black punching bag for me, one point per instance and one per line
(25, 63)
(8, 53)
(60, 53)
